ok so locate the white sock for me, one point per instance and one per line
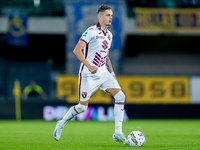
(119, 114)
(72, 112)
(119, 111)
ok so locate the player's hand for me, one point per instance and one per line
(93, 69)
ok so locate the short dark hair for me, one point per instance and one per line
(102, 8)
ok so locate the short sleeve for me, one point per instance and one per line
(87, 35)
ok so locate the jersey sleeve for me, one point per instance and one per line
(87, 35)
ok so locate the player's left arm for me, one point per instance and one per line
(109, 65)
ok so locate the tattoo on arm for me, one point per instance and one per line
(109, 65)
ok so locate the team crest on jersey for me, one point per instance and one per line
(109, 37)
(84, 94)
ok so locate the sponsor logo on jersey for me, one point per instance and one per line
(103, 51)
(105, 44)
(100, 37)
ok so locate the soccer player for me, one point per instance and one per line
(96, 72)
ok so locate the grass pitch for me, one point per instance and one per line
(90, 135)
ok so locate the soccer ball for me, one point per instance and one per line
(136, 138)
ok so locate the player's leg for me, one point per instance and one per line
(85, 91)
(118, 108)
(72, 112)
(119, 114)
(112, 86)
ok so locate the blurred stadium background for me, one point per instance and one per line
(155, 54)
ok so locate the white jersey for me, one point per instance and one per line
(97, 45)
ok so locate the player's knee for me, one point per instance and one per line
(120, 97)
(81, 108)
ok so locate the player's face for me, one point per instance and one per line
(107, 17)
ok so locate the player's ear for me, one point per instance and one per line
(99, 15)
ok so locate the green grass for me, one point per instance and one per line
(90, 135)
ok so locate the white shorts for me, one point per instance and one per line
(90, 84)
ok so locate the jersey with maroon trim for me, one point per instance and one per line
(97, 45)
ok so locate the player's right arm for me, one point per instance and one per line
(79, 54)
